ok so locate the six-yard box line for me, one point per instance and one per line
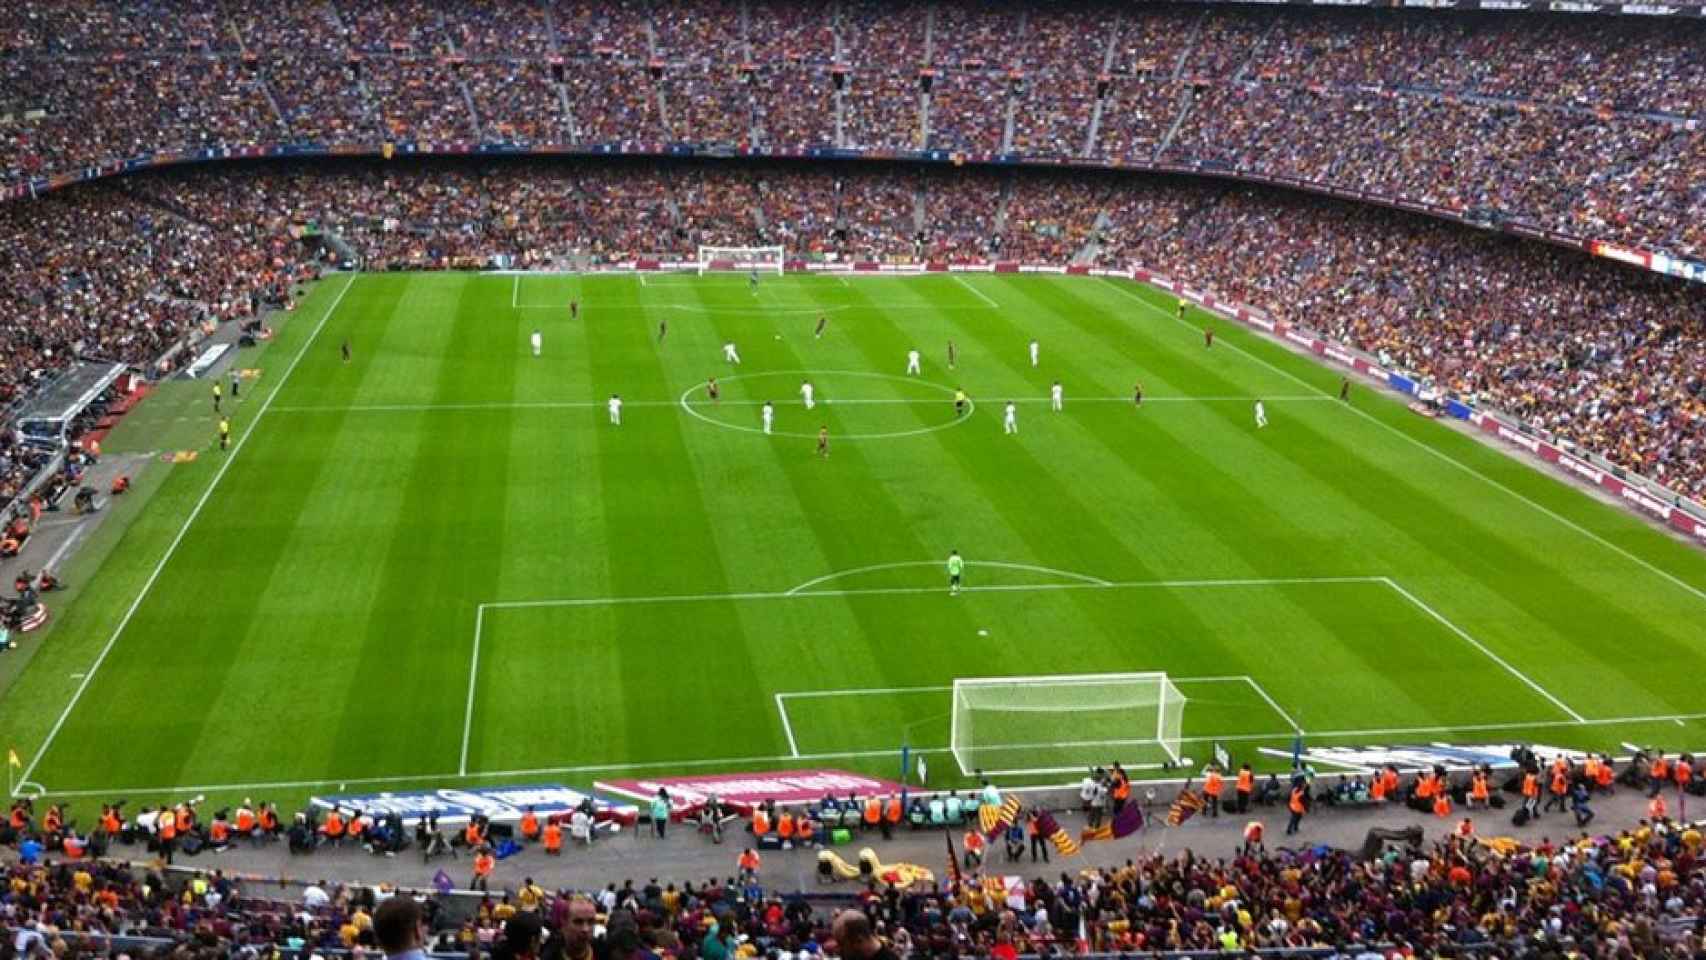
(1075, 581)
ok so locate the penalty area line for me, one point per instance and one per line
(787, 727)
(172, 548)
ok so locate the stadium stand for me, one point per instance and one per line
(1578, 127)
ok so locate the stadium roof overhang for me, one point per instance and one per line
(54, 406)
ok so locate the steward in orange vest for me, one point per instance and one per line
(1212, 786)
(1298, 805)
(1478, 789)
(483, 863)
(333, 828)
(891, 816)
(748, 863)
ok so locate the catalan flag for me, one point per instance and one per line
(1126, 822)
(1184, 807)
(994, 820)
(1049, 827)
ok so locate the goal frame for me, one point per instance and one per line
(733, 258)
(1168, 691)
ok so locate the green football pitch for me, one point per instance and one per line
(440, 564)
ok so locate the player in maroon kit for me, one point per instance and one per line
(1208, 336)
(574, 309)
(711, 389)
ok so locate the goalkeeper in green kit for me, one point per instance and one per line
(956, 566)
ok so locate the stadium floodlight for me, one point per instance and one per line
(741, 259)
(1015, 726)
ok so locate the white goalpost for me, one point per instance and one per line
(741, 259)
(1063, 724)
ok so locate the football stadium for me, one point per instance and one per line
(584, 479)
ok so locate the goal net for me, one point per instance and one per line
(1064, 724)
(740, 259)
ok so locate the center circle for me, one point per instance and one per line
(832, 375)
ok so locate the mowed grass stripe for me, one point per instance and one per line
(653, 496)
(893, 473)
(177, 649)
(453, 522)
(320, 536)
(772, 487)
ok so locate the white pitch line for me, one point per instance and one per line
(787, 728)
(842, 755)
(1263, 693)
(1466, 468)
(943, 688)
(975, 291)
(473, 678)
(900, 591)
(172, 548)
(903, 564)
(1501, 661)
(862, 692)
(856, 402)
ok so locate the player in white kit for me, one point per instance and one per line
(730, 354)
(1261, 415)
(1010, 418)
(1035, 352)
(912, 365)
(538, 341)
(1055, 397)
(615, 408)
(768, 414)
(808, 393)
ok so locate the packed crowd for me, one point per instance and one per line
(1634, 891)
(1588, 127)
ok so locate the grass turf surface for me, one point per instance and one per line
(1376, 577)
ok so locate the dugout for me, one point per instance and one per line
(48, 416)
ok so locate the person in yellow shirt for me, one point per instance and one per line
(530, 896)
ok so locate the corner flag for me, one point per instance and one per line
(12, 758)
